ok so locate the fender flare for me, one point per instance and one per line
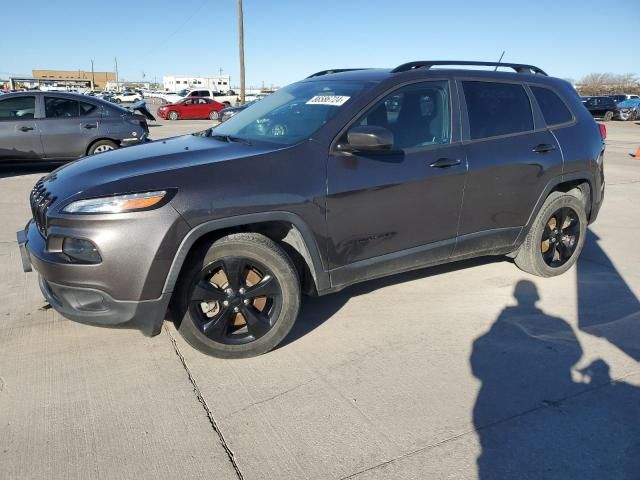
(584, 175)
(306, 244)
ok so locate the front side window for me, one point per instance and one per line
(497, 108)
(418, 115)
(291, 114)
(17, 108)
(553, 108)
(55, 107)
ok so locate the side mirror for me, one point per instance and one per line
(368, 139)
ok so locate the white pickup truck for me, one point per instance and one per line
(228, 100)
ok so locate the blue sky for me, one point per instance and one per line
(288, 40)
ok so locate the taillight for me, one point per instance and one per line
(603, 131)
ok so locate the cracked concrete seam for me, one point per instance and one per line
(203, 402)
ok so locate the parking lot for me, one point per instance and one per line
(422, 375)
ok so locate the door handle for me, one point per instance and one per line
(90, 125)
(445, 162)
(26, 129)
(544, 148)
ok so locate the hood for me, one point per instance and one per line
(131, 169)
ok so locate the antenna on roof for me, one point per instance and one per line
(499, 60)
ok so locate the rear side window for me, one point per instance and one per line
(55, 107)
(87, 109)
(17, 108)
(553, 108)
(497, 108)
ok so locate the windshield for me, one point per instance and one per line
(291, 114)
(183, 93)
(629, 103)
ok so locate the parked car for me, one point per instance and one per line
(628, 110)
(622, 97)
(227, 100)
(602, 107)
(317, 187)
(191, 107)
(126, 97)
(229, 112)
(64, 126)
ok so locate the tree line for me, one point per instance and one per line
(608, 83)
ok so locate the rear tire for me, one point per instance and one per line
(102, 146)
(222, 313)
(556, 237)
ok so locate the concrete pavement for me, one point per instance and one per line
(470, 370)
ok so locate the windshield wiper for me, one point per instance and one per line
(231, 138)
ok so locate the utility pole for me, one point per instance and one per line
(93, 78)
(241, 41)
(117, 82)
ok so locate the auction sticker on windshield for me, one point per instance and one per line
(336, 100)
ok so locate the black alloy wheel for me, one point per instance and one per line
(556, 237)
(560, 237)
(235, 300)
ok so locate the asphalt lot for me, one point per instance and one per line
(453, 372)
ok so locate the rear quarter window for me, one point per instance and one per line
(496, 108)
(554, 110)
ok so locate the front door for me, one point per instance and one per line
(390, 211)
(19, 134)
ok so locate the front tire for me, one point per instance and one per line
(607, 117)
(214, 115)
(173, 115)
(238, 296)
(556, 237)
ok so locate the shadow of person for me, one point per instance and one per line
(607, 307)
(532, 419)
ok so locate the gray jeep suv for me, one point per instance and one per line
(342, 177)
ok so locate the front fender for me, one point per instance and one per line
(311, 256)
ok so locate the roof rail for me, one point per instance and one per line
(334, 70)
(427, 64)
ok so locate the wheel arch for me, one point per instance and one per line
(286, 229)
(584, 181)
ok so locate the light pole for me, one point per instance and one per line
(241, 41)
(93, 78)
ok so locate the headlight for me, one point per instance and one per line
(117, 203)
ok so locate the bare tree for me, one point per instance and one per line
(605, 83)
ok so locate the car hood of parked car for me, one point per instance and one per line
(136, 168)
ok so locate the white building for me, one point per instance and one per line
(175, 83)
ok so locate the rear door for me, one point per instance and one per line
(19, 133)
(512, 156)
(201, 108)
(62, 134)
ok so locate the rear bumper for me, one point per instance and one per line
(126, 142)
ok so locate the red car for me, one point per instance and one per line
(191, 108)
